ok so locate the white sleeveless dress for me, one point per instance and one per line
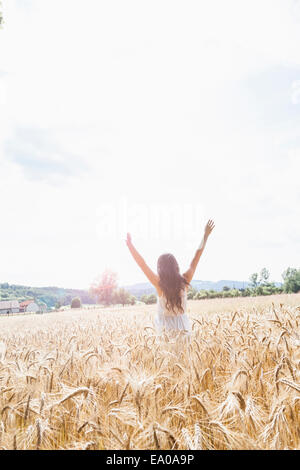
(168, 320)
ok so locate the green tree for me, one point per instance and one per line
(211, 294)
(259, 290)
(254, 280)
(235, 292)
(291, 277)
(76, 302)
(264, 276)
(202, 294)
(151, 299)
(227, 293)
(245, 292)
(191, 293)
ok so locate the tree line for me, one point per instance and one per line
(106, 291)
(259, 284)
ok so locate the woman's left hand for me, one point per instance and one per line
(128, 239)
(209, 227)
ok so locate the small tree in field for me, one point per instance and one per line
(149, 299)
(122, 296)
(104, 287)
(76, 302)
(152, 299)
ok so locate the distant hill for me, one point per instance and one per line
(146, 288)
(140, 289)
(48, 295)
(218, 285)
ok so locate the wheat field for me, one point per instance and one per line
(102, 379)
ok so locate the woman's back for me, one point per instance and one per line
(169, 319)
(165, 311)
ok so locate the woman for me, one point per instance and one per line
(170, 285)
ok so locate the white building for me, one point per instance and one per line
(29, 306)
(9, 306)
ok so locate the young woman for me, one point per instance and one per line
(170, 285)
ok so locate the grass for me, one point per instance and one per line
(102, 379)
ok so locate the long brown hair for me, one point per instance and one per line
(171, 282)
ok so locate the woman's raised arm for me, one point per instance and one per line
(188, 275)
(153, 278)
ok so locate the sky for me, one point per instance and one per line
(148, 117)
